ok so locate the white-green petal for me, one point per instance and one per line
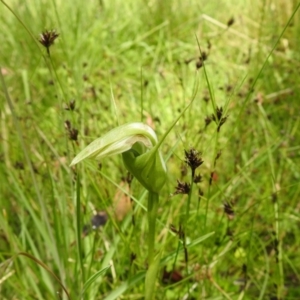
(147, 166)
(117, 141)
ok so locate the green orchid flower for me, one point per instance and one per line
(138, 144)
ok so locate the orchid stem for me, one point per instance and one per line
(152, 212)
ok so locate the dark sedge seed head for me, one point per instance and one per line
(219, 113)
(99, 219)
(230, 22)
(72, 104)
(199, 64)
(132, 257)
(182, 188)
(219, 118)
(207, 121)
(228, 209)
(206, 98)
(203, 56)
(193, 159)
(47, 38)
(197, 178)
(73, 134)
(68, 125)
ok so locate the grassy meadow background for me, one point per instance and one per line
(116, 62)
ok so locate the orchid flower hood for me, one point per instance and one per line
(138, 144)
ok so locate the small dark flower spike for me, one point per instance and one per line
(47, 39)
(230, 22)
(197, 178)
(207, 121)
(72, 132)
(182, 188)
(99, 219)
(228, 209)
(219, 118)
(71, 105)
(193, 160)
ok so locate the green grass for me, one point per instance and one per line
(128, 61)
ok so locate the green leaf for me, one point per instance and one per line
(125, 286)
(88, 283)
(140, 276)
(150, 279)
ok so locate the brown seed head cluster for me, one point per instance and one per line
(71, 105)
(193, 160)
(72, 132)
(219, 117)
(228, 209)
(197, 178)
(47, 38)
(230, 22)
(182, 188)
